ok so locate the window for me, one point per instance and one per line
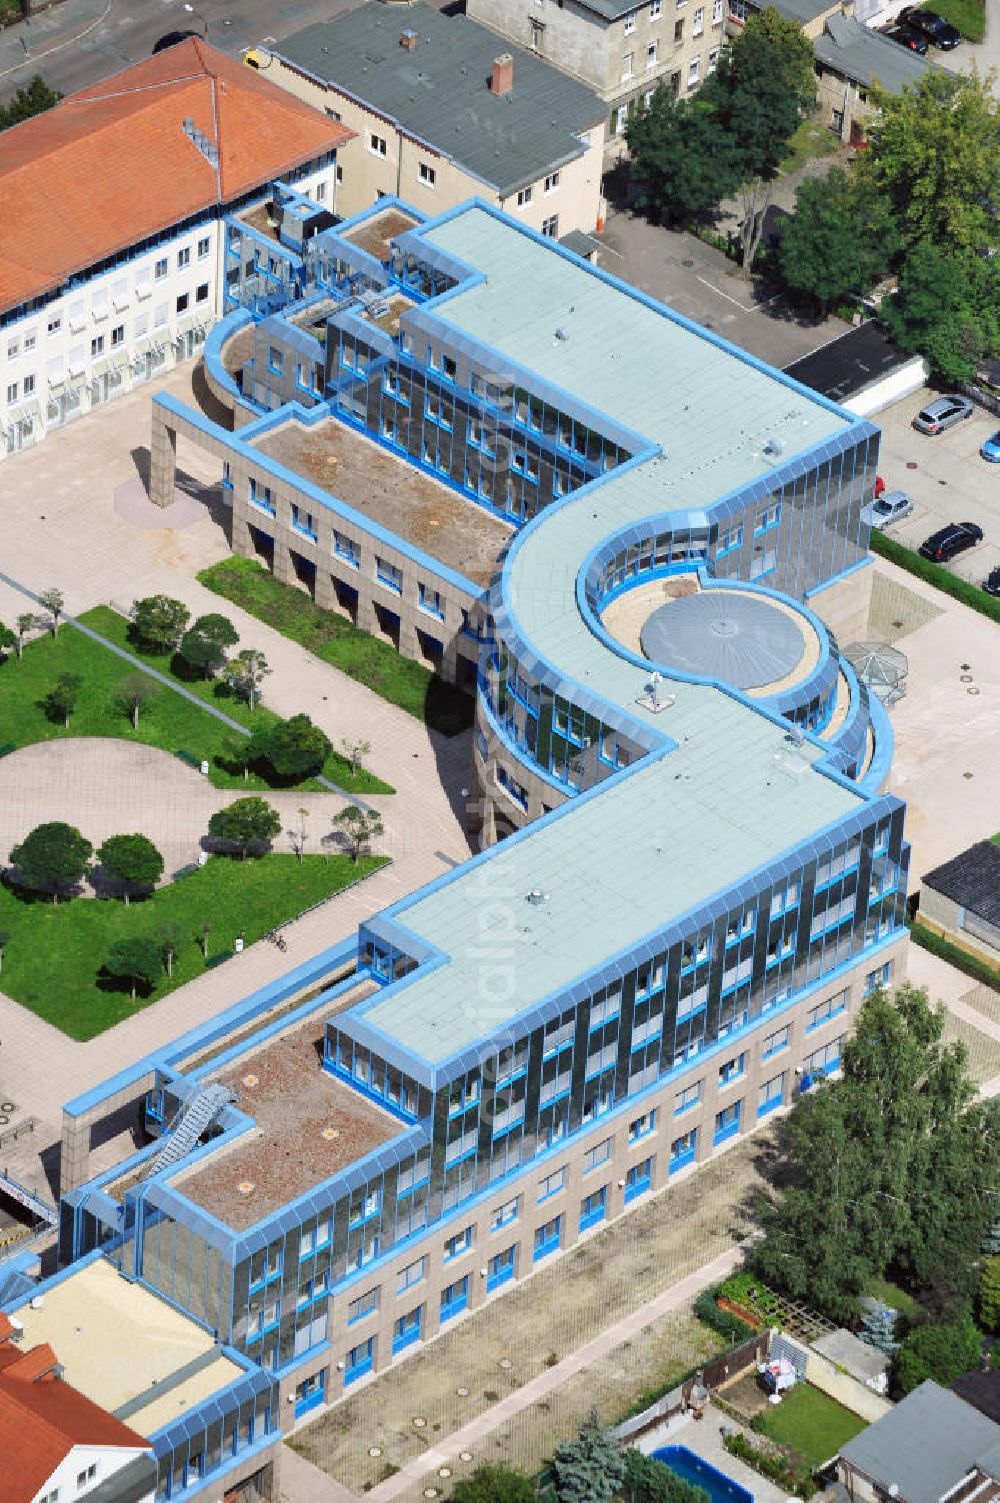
(388, 575)
(651, 55)
(426, 174)
(619, 119)
(686, 1098)
(182, 302)
(365, 1304)
(460, 1243)
(359, 1360)
(449, 367)
(524, 196)
(628, 66)
(739, 10)
(54, 324)
(594, 1208)
(160, 315)
(823, 1061)
(319, 193)
(412, 1274)
(727, 1122)
(204, 246)
(500, 1268)
(160, 269)
(824, 1011)
(430, 600)
(877, 978)
(275, 359)
(642, 1126)
(29, 385)
(536, 35)
(655, 8)
(260, 496)
(698, 24)
(769, 517)
(12, 392)
(13, 350)
(550, 227)
(551, 1184)
(454, 1298)
(117, 336)
(201, 293)
(547, 1238)
(552, 182)
(629, 22)
(770, 1095)
(774, 1042)
(693, 72)
(682, 1150)
(29, 343)
(505, 1214)
(638, 1180)
(377, 145)
(717, 12)
(679, 31)
(599, 1154)
(314, 1237)
(183, 257)
(82, 1478)
(96, 346)
(733, 1069)
(407, 1329)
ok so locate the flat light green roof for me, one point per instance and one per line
(734, 795)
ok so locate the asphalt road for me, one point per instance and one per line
(80, 42)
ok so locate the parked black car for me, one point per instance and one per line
(991, 584)
(943, 546)
(934, 27)
(907, 37)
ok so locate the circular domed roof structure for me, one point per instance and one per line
(739, 638)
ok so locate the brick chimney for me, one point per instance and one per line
(409, 41)
(502, 75)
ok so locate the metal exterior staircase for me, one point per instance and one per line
(189, 1124)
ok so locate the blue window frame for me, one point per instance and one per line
(686, 1098)
(878, 977)
(309, 1394)
(365, 1304)
(501, 1268)
(412, 1274)
(768, 518)
(551, 1184)
(729, 541)
(593, 1208)
(771, 1095)
(275, 359)
(548, 1238)
(727, 1123)
(407, 1330)
(641, 1127)
(227, 475)
(505, 1214)
(302, 522)
(454, 1298)
(359, 1361)
(822, 1061)
(346, 549)
(429, 600)
(638, 1180)
(683, 1149)
(388, 575)
(733, 1069)
(774, 1042)
(460, 1243)
(829, 1008)
(260, 496)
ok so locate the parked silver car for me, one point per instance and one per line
(943, 413)
(890, 507)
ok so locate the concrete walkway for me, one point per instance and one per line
(471, 1436)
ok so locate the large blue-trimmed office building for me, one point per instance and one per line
(701, 876)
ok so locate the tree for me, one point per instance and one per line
(159, 622)
(293, 749)
(878, 1328)
(52, 601)
(650, 1481)
(60, 700)
(682, 155)
(23, 626)
(135, 960)
(35, 97)
(7, 638)
(170, 937)
(947, 308)
(237, 751)
(934, 155)
(204, 644)
(135, 691)
(888, 1167)
(841, 238)
(494, 1483)
(989, 1296)
(763, 87)
(246, 672)
(132, 860)
(356, 828)
(934, 1351)
(245, 823)
(298, 835)
(52, 858)
(355, 752)
(590, 1469)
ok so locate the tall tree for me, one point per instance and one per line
(934, 154)
(136, 960)
(135, 692)
(247, 823)
(682, 155)
(33, 99)
(204, 644)
(294, 749)
(938, 1351)
(763, 87)
(60, 700)
(246, 672)
(23, 625)
(52, 601)
(52, 858)
(356, 828)
(170, 936)
(355, 751)
(947, 308)
(131, 860)
(590, 1469)
(841, 238)
(989, 1296)
(159, 622)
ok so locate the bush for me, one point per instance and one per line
(792, 1478)
(933, 574)
(650, 1481)
(727, 1325)
(940, 1352)
(969, 965)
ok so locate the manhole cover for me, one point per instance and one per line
(968, 775)
(465, 1455)
(687, 261)
(463, 1393)
(506, 1363)
(374, 1450)
(4, 1119)
(965, 678)
(331, 1134)
(251, 1080)
(942, 482)
(911, 464)
(8, 1106)
(972, 690)
(430, 1492)
(444, 1471)
(965, 667)
(897, 626)
(418, 1422)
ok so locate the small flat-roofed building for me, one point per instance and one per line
(440, 112)
(961, 898)
(111, 264)
(862, 369)
(930, 1446)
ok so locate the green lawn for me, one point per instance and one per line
(896, 1298)
(54, 953)
(377, 664)
(811, 139)
(167, 720)
(967, 16)
(815, 1425)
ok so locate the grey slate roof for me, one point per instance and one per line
(972, 879)
(802, 11)
(439, 91)
(930, 1441)
(862, 1361)
(863, 55)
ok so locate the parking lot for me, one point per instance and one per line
(946, 479)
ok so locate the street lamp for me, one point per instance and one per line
(193, 12)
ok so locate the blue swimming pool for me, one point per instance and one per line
(720, 1488)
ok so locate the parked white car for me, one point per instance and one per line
(890, 507)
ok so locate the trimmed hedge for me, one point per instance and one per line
(979, 970)
(934, 574)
